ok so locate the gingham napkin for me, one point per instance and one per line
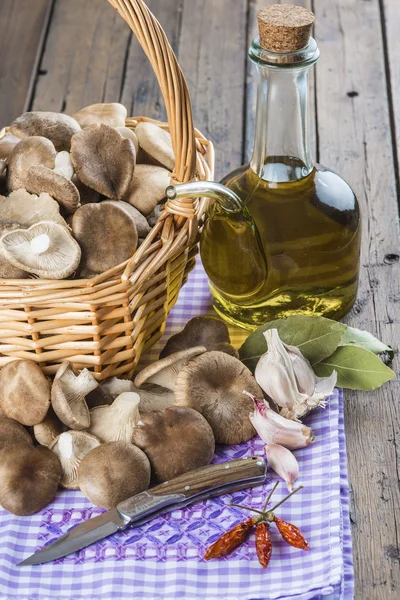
(163, 560)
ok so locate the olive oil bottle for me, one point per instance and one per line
(290, 243)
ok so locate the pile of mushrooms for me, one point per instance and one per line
(111, 440)
(82, 191)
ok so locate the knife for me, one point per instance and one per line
(194, 486)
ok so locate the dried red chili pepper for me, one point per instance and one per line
(230, 540)
(291, 534)
(263, 544)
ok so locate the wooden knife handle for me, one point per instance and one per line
(214, 476)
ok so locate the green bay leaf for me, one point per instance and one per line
(316, 338)
(364, 339)
(357, 368)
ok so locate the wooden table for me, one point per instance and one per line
(61, 55)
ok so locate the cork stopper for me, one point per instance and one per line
(284, 27)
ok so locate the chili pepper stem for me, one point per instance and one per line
(285, 498)
(247, 508)
(269, 496)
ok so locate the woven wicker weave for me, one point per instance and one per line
(105, 323)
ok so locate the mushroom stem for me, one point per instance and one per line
(65, 444)
(40, 243)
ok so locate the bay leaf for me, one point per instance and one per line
(316, 338)
(364, 339)
(357, 368)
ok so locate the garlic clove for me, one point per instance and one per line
(283, 462)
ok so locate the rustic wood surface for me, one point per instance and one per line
(63, 54)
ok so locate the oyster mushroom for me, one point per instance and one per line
(98, 397)
(7, 143)
(213, 384)
(112, 114)
(46, 249)
(152, 397)
(115, 423)
(200, 331)
(56, 127)
(24, 392)
(33, 152)
(113, 472)
(114, 386)
(129, 135)
(175, 441)
(29, 478)
(147, 187)
(68, 395)
(103, 160)
(42, 179)
(7, 270)
(27, 209)
(86, 193)
(63, 164)
(164, 372)
(113, 223)
(71, 447)
(157, 143)
(12, 432)
(49, 429)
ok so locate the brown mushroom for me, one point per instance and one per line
(56, 127)
(24, 392)
(68, 395)
(103, 160)
(113, 472)
(112, 114)
(49, 429)
(164, 372)
(7, 143)
(86, 193)
(200, 331)
(29, 478)
(7, 269)
(12, 432)
(111, 241)
(42, 179)
(157, 143)
(98, 397)
(32, 152)
(213, 384)
(71, 447)
(147, 187)
(175, 441)
(27, 209)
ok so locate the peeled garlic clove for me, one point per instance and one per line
(275, 429)
(282, 461)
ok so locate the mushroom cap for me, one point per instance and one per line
(71, 447)
(86, 193)
(113, 472)
(7, 270)
(42, 179)
(142, 225)
(24, 392)
(104, 160)
(112, 114)
(68, 395)
(12, 432)
(57, 127)
(46, 249)
(49, 429)
(7, 143)
(114, 386)
(98, 397)
(115, 423)
(213, 384)
(29, 478)
(130, 135)
(164, 372)
(63, 164)
(199, 331)
(147, 187)
(107, 234)
(28, 209)
(157, 143)
(175, 441)
(154, 397)
(32, 152)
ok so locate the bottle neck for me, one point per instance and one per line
(282, 145)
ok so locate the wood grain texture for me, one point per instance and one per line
(355, 139)
(390, 15)
(20, 51)
(212, 54)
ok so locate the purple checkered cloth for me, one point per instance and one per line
(163, 559)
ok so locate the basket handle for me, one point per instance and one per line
(153, 40)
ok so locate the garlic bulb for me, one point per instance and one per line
(289, 380)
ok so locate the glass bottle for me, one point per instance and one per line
(286, 240)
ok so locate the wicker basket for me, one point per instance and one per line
(105, 323)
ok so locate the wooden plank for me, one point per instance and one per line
(104, 63)
(212, 53)
(391, 28)
(355, 139)
(22, 28)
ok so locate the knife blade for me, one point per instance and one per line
(194, 486)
